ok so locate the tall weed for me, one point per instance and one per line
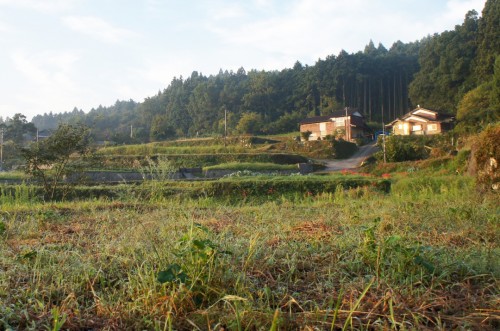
(431, 185)
(21, 194)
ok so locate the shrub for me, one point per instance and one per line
(343, 149)
(486, 156)
(403, 148)
(261, 186)
(66, 153)
(305, 135)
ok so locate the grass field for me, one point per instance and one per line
(424, 256)
(252, 166)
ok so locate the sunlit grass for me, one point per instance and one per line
(252, 166)
(420, 257)
(12, 175)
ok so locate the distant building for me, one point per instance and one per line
(421, 121)
(42, 134)
(346, 124)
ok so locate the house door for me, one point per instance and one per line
(322, 129)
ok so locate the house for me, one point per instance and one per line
(335, 124)
(421, 121)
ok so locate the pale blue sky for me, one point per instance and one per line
(58, 54)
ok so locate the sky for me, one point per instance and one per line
(59, 54)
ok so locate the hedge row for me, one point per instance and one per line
(283, 185)
(232, 188)
(201, 160)
(231, 144)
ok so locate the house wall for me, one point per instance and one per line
(411, 128)
(319, 130)
(357, 133)
(433, 128)
(323, 129)
(313, 127)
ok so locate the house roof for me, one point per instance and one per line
(327, 118)
(358, 122)
(315, 119)
(423, 115)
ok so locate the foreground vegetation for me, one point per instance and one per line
(419, 257)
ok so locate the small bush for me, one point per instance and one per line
(461, 160)
(486, 154)
(306, 135)
(343, 149)
(256, 186)
(403, 148)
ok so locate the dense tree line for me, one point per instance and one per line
(258, 101)
(449, 72)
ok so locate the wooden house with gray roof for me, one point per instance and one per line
(421, 121)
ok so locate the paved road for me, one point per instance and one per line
(353, 162)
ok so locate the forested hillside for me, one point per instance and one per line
(451, 72)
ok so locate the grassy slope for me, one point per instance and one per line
(256, 166)
(216, 152)
(426, 256)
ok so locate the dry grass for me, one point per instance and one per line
(360, 261)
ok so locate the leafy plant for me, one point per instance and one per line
(343, 149)
(404, 148)
(58, 319)
(390, 255)
(197, 257)
(305, 135)
(173, 274)
(59, 157)
(157, 172)
(3, 228)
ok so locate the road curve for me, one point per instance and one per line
(353, 162)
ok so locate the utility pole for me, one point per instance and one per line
(225, 125)
(131, 131)
(383, 133)
(347, 126)
(383, 141)
(1, 149)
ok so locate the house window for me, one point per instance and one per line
(322, 127)
(432, 127)
(416, 128)
(340, 121)
(400, 126)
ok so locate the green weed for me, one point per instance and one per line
(419, 257)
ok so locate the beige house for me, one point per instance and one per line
(421, 121)
(347, 124)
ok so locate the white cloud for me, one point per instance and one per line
(49, 79)
(97, 28)
(6, 110)
(302, 31)
(4, 27)
(228, 12)
(160, 71)
(40, 5)
(456, 9)
(46, 68)
(305, 30)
